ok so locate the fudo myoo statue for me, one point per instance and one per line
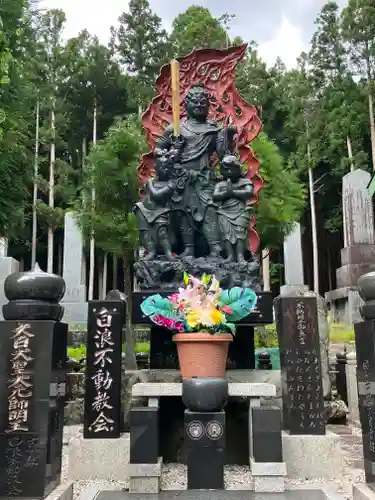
(198, 139)
(190, 219)
(232, 195)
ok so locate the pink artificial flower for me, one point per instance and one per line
(174, 298)
(226, 310)
(169, 323)
(159, 319)
(179, 327)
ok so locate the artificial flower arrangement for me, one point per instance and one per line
(202, 306)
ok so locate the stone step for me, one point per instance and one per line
(212, 495)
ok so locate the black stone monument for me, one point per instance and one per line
(144, 435)
(365, 348)
(205, 449)
(266, 434)
(102, 412)
(297, 329)
(32, 384)
(205, 435)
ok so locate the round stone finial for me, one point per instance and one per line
(34, 285)
(366, 286)
(366, 290)
(34, 295)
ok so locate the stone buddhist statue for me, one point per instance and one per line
(199, 139)
(232, 195)
(153, 212)
(192, 219)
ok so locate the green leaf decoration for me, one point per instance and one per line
(231, 327)
(156, 304)
(186, 278)
(241, 301)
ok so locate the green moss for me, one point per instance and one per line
(341, 334)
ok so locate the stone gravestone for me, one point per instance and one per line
(102, 416)
(297, 328)
(75, 298)
(293, 263)
(33, 346)
(358, 254)
(365, 349)
(295, 287)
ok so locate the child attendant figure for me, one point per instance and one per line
(153, 212)
(232, 195)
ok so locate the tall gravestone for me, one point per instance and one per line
(297, 328)
(365, 349)
(73, 272)
(358, 254)
(33, 345)
(102, 414)
(293, 262)
(295, 287)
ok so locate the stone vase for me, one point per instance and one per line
(202, 354)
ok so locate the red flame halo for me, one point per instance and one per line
(216, 69)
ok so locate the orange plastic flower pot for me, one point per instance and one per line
(202, 354)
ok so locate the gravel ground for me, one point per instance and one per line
(175, 475)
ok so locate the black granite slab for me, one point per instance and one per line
(205, 448)
(266, 434)
(102, 413)
(144, 435)
(214, 495)
(301, 373)
(22, 465)
(365, 348)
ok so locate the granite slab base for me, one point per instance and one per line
(212, 495)
(145, 478)
(364, 492)
(312, 456)
(63, 491)
(103, 459)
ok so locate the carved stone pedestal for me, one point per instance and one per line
(168, 275)
(205, 446)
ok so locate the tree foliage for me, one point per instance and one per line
(197, 28)
(142, 46)
(282, 199)
(16, 111)
(112, 172)
(323, 106)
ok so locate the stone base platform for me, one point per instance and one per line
(212, 495)
(168, 275)
(312, 457)
(364, 492)
(103, 459)
(239, 389)
(62, 492)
